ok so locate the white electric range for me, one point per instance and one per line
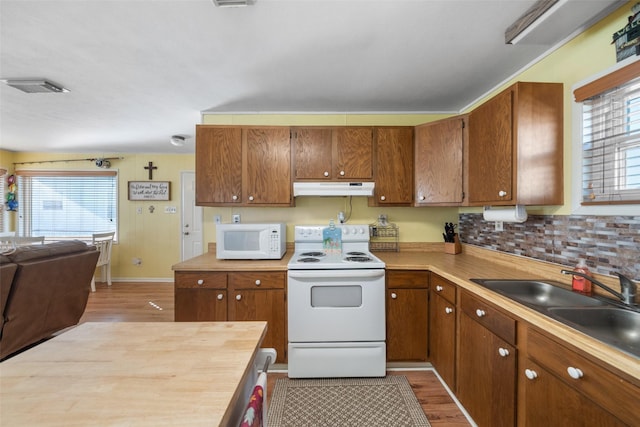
(336, 306)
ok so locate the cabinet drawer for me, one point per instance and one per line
(444, 288)
(257, 280)
(597, 383)
(200, 279)
(407, 279)
(488, 316)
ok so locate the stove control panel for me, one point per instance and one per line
(310, 233)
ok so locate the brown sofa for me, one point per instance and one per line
(43, 289)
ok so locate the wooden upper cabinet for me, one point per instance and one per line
(516, 147)
(393, 166)
(353, 153)
(312, 149)
(267, 166)
(332, 153)
(218, 165)
(439, 162)
(247, 166)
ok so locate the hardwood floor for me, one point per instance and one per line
(153, 302)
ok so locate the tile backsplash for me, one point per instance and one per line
(607, 243)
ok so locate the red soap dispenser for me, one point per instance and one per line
(579, 283)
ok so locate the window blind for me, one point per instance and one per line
(67, 204)
(611, 146)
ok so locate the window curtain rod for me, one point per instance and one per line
(39, 162)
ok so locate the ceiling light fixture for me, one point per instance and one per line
(532, 18)
(35, 85)
(177, 140)
(233, 3)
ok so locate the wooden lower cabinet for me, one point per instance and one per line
(407, 316)
(561, 387)
(235, 296)
(442, 328)
(486, 380)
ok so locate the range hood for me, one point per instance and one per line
(333, 189)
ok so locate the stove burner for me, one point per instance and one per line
(358, 259)
(312, 254)
(356, 253)
(308, 259)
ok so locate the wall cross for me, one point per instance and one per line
(151, 169)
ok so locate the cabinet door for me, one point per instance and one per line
(486, 380)
(439, 163)
(407, 324)
(218, 165)
(267, 305)
(491, 146)
(267, 172)
(442, 338)
(200, 305)
(550, 402)
(353, 153)
(394, 166)
(312, 153)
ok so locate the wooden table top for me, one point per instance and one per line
(133, 374)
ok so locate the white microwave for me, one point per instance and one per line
(251, 241)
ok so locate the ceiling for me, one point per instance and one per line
(140, 71)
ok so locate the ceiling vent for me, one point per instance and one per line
(233, 3)
(35, 86)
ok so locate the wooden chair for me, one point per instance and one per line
(103, 243)
(9, 241)
(28, 240)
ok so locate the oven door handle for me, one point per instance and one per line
(315, 274)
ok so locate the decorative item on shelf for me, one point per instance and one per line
(12, 203)
(383, 236)
(627, 39)
(451, 241)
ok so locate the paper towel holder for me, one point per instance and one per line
(517, 213)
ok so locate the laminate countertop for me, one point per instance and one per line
(133, 374)
(473, 262)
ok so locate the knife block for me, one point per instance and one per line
(453, 248)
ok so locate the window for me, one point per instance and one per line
(609, 170)
(67, 204)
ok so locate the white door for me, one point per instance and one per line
(192, 222)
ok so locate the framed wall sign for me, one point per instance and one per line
(149, 190)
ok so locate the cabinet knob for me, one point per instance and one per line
(383, 198)
(394, 295)
(448, 310)
(575, 373)
(258, 282)
(341, 173)
(422, 198)
(238, 297)
(326, 173)
(200, 282)
(503, 352)
(234, 198)
(220, 296)
(502, 193)
(251, 198)
(480, 313)
(439, 288)
(531, 374)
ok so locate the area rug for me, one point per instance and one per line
(335, 402)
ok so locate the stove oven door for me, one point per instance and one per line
(336, 305)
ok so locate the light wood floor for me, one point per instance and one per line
(153, 302)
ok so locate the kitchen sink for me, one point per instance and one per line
(596, 317)
(615, 326)
(539, 293)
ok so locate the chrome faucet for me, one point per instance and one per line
(628, 286)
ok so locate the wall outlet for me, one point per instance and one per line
(170, 209)
(499, 226)
(235, 218)
(217, 219)
(136, 261)
(139, 210)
